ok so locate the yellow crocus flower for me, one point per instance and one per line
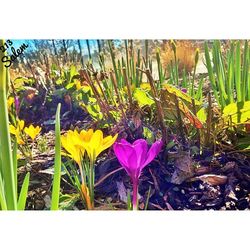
(10, 101)
(32, 131)
(94, 143)
(13, 130)
(75, 145)
(20, 125)
(17, 131)
(145, 86)
(72, 143)
(78, 85)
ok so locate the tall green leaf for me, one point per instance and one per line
(6, 151)
(57, 167)
(238, 73)
(3, 204)
(23, 193)
(211, 72)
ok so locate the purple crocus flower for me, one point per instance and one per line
(184, 90)
(17, 104)
(134, 157)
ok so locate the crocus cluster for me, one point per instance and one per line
(134, 157)
(17, 131)
(76, 143)
(31, 131)
(93, 143)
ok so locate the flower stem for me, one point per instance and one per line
(92, 181)
(85, 189)
(85, 192)
(81, 172)
(135, 193)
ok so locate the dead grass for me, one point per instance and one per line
(185, 53)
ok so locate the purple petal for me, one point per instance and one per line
(138, 141)
(133, 169)
(141, 149)
(122, 152)
(125, 142)
(153, 152)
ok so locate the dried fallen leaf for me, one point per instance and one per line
(178, 177)
(184, 162)
(202, 170)
(231, 165)
(213, 179)
(184, 168)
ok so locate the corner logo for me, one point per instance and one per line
(8, 60)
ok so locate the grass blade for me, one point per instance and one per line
(159, 66)
(198, 94)
(127, 57)
(146, 53)
(219, 72)
(110, 44)
(238, 73)
(245, 70)
(230, 75)
(248, 78)
(23, 193)
(6, 151)
(129, 203)
(3, 204)
(148, 196)
(14, 155)
(210, 72)
(57, 167)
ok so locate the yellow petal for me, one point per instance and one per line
(66, 144)
(71, 145)
(12, 130)
(86, 135)
(96, 143)
(38, 129)
(21, 124)
(10, 101)
(78, 85)
(19, 140)
(32, 131)
(93, 142)
(108, 141)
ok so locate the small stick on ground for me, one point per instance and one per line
(107, 175)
